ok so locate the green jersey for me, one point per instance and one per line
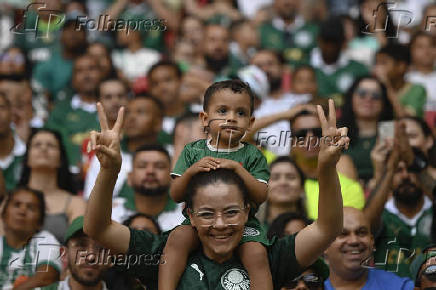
(333, 80)
(74, 120)
(402, 239)
(294, 43)
(246, 154)
(42, 249)
(201, 272)
(413, 98)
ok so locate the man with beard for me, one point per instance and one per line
(84, 260)
(403, 222)
(288, 33)
(277, 102)
(348, 258)
(150, 180)
(216, 52)
(75, 117)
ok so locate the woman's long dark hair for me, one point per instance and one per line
(65, 178)
(348, 118)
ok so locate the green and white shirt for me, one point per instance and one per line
(12, 165)
(202, 273)
(246, 154)
(401, 239)
(42, 249)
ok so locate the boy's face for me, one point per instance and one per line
(305, 82)
(229, 114)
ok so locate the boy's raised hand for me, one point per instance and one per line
(106, 143)
(333, 139)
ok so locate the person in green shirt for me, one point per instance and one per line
(392, 64)
(75, 117)
(402, 223)
(289, 34)
(12, 148)
(335, 72)
(218, 208)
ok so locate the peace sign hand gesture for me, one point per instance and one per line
(333, 140)
(107, 142)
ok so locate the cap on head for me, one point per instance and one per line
(75, 227)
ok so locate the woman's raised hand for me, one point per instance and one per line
(106, 143)
(333, 140)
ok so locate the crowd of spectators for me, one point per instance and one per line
(156, 58)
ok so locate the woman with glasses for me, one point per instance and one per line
(366, 104)
(217, 204)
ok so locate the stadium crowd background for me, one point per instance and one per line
(54, 67)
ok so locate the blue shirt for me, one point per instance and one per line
(379, 279)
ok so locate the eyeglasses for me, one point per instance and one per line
(230, 216)
(302, 133)
(430, 273)
(362, 93)
(312, 281)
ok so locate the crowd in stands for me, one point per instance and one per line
(64, 62)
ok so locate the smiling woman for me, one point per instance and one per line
(217, 207)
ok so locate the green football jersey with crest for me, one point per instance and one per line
(74, 126)
(246, 154)
(295, 45)
(201, 272)
(399, 243)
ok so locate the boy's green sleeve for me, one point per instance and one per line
(183, 163)
(258, 166)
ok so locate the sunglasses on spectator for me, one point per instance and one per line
(302, 133)
(362, 93)
(430, 273)
(312, 281)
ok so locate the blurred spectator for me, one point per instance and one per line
(40, 30)
(285, 191)
(133, 60)
(12, 148)
(185, 54)
(366, 103)
(403, 222)
(304, 81)
(244, 41)
(286, 224)
(192, 31)
(53, 76)
(220, 12)
(19, 93)
(112, 94)
(13, 62)
(195, 81)
(188, 129)
(30, 257)
(143, 124)
(392, 64)
(86, 260)
(349, 254)
(150, 180)
(288, 33)
(45, 168)
(423, 53)
(305, 126)
(278, 102)
(75, 117)
(119, 279)
(422, 269)
(420, 137)
(164, 82)
(102, 54)
(289, 223)
(335, 72)
(216, 52)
